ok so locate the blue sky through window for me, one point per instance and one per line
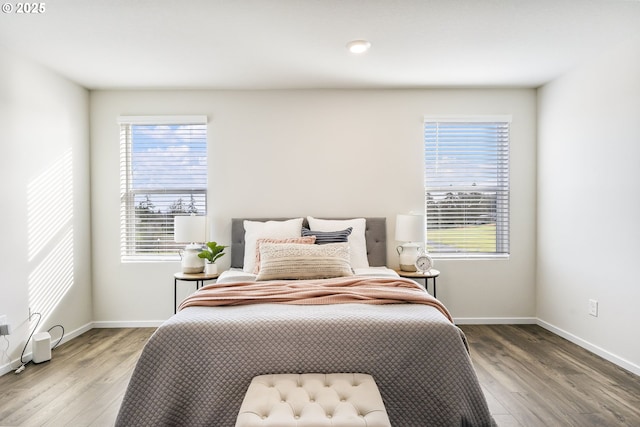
(166, 158)
(178, 149)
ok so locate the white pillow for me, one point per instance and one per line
(371, 272)
(235, 275)
(287, 261)
(254, 230)
(357, 241)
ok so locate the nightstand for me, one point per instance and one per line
(199, 278)
(431, 274)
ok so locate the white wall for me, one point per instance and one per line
(589, 205)
(321, 153)
(44, 180)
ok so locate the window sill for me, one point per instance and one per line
(469, 257)
(149, 259)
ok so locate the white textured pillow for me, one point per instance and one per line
(282, 261)
(254, 230)
(357, 241)
(309, 240)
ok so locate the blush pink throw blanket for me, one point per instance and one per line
(339, 290)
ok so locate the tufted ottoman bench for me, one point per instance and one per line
(313, 400)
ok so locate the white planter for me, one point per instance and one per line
(210, 268)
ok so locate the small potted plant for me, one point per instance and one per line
(211, 253)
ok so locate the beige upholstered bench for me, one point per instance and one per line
(313, 400)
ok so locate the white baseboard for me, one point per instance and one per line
(15, 364)
(623, 363)
(73, 334)
(495, 320)
(128, 324)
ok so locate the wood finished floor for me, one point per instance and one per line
(532, 377)
(529, 376)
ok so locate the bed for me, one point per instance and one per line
(195, 369)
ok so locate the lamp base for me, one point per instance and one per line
(191, 262)
(408, 254)
(408, 267)
(192, 270)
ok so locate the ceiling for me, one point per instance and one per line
(291, 44)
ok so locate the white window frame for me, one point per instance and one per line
(500, 186)
(169, 250)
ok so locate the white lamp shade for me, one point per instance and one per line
(189, 229)
(410, 228)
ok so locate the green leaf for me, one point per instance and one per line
(213, 251)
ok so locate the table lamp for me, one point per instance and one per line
(410, 229)
(190, 229)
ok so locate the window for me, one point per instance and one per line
(163, 173)
(467, 186)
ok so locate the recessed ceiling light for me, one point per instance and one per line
(358, 46)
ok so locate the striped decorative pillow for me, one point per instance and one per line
(324, 237)
(310, 240)
(283, 261)
(357, 239)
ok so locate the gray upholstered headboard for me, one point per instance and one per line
(375, 234)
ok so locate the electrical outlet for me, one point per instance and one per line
(5, 329)
(593, 307)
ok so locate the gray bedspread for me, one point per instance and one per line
(196, 368)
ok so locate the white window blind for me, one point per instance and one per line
(163, 173)
(467, 186)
